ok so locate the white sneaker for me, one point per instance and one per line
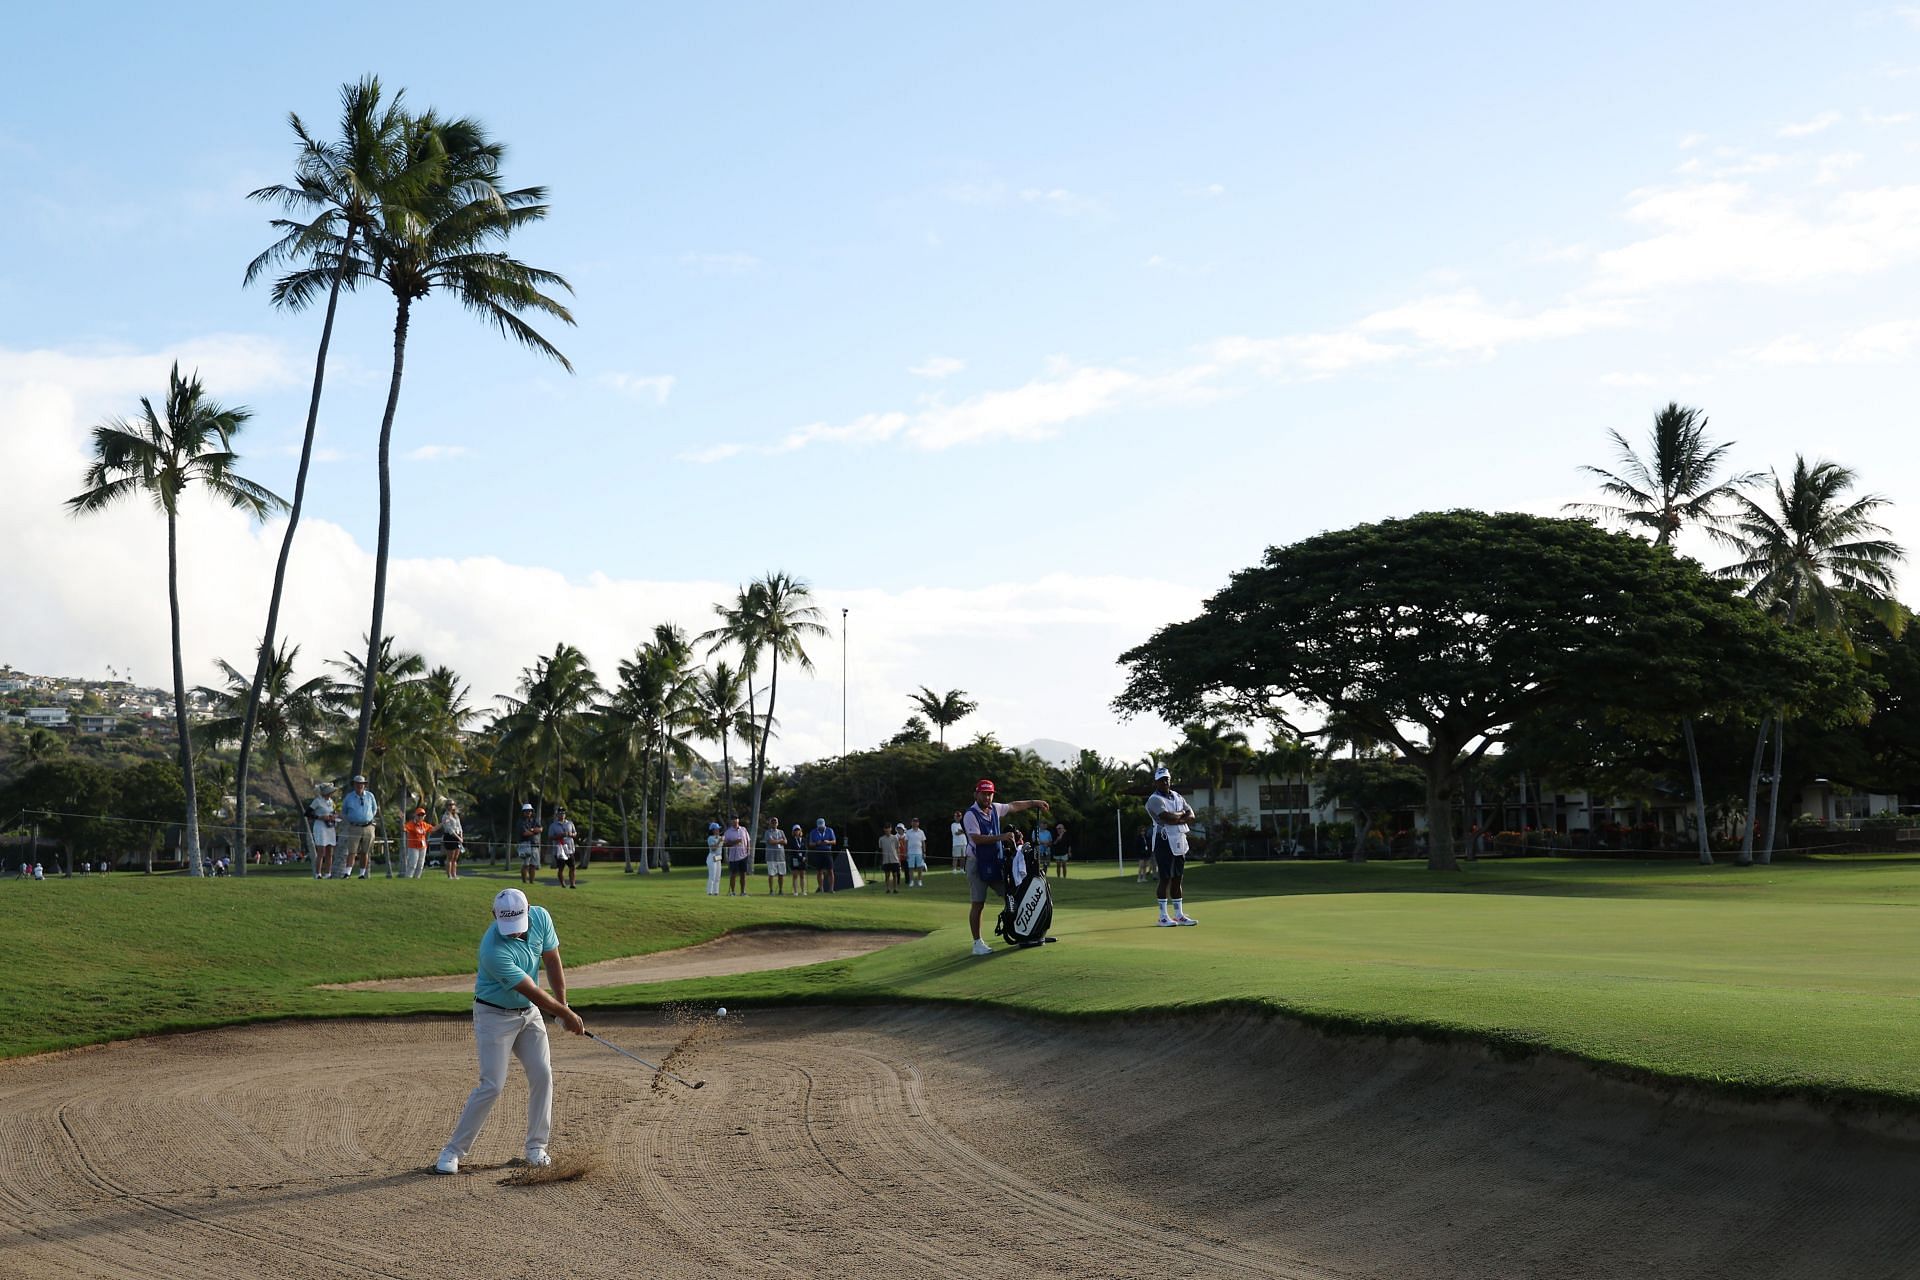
(980, 947)
(1185, 920)
(447, 1164)
(1167, 922)
(538, 1160)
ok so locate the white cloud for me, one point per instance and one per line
(654, 386)
(1722, 232)
(1832, 166)
(734, 263)
(1807, 128)
(1214, 189)
(1889, 342)
(1691, 140)
(1887, 118)
(437, 452)
(937, 367)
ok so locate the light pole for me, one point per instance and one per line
(843, 684)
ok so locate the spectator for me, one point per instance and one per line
(713, 860)
(959, 834)
(890, 858)
(1062, 847)
(359, 811)
(453, 839)
(822, 853)
(417, 829)
(560, 836)
(324, 823)
(1042, 853)
(529, 844)
(776, 841)
(916, 855)
(737, 842)
(797, 859)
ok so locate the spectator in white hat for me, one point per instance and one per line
(323, 822)
(507, 1022)
(359, 811)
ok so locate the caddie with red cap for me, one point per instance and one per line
(507, 1023)
(985, 862)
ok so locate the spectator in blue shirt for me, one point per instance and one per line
(358, 812)
(821, 844)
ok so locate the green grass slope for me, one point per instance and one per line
(1802, 978)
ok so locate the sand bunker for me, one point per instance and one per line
(748, 951)
(877, 1143)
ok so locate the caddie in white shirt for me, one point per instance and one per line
(322, 820)
(1170, 814)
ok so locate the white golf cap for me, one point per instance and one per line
(525, 807)
(510, 911)
(1160, 773)
(326, 786)
(358, 777)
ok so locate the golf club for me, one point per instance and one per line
(691, 1084)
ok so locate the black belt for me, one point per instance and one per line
(504, 1008)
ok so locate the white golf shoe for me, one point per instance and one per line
(538, 1160)
(447, 1164)
(980, 947)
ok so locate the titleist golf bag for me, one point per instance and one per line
(1029, 910)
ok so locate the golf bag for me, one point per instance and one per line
(1029, 910)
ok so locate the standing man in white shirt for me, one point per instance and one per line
(1170, 813)
(776, 842)
(322, 820)
(959, 833)
(916, 855)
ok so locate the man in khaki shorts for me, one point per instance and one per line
(358, 812)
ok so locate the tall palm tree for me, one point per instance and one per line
(723, 714)
(333, 202)
(1287, 756)
(289, 714)
(788, 619)
(407, 747)
(943, 709)
(665, 682)
(160, 456)
(550, 714)
(1677, 484)
(444, 236)
(1798, 558)
(1208, 749)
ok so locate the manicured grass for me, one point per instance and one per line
(1801, 978)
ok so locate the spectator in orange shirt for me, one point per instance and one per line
(416, 856)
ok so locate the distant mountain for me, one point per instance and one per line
(1061, 755)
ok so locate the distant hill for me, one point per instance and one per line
(1061, 755)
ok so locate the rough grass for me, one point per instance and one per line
(1798, 979)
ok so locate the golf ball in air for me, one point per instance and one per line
(721, 1011)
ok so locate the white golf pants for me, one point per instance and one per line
(411, 866)
(498, 1034)
(713, 873)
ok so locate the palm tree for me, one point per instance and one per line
(408, 747)
(1799, 558)
(550, 714)
(334, 200)
(1675, 485)
(160, 456)
(723, 713)
(663, 679)
(775, 616)
(442, 235)
(1289, 757)
(1209, 749)
(945, 709)
(289, 715)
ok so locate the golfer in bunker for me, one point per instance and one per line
(509, 1017)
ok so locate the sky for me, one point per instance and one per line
(1012, 329)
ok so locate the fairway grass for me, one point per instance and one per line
(1799, 979)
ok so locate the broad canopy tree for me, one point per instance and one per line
(1436, 633)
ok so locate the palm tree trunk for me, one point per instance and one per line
(286, 548)
(646, 793)
(760, 748)
(192, 832)
(1699, 792)
(660, 842)
(626, 850)
(306, 827)
(385, 541)
(1753, 793)
(1773, 792)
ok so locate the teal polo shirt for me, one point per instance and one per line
(504, 961)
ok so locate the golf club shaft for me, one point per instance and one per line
(643, 1062)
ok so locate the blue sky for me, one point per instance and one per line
(1013, 328)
